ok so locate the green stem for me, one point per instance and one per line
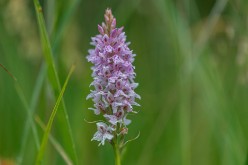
(117, 152)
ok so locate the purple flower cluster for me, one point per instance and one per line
(113, 74)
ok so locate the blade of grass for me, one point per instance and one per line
(46, 46)
(54, 142)
(210, 24)
(50, 122)
(21, 94)
(61, 25)
(182, 43)
(30, 121)
(34, 101)
(42, 74)
(222, 113)
(6, 70)
(65, 129)
(28, 109)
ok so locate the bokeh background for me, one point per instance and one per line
(191, 64)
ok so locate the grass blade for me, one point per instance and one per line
(63, 121)
(30, 118)
(46, 46)
(30, 121)
(50, 122)
(6, 70)
(28, 124)
(54, 142)
(42, 74)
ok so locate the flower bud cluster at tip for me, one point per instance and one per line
(113, 83)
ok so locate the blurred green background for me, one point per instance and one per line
(191, 64)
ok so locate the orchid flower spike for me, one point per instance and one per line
(113, 80)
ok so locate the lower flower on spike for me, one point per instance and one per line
(104, 132)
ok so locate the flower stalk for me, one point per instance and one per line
(117, 152)
(113, 83)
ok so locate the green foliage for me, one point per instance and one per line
(51, 119)
(191, 64)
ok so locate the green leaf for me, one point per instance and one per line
(30, 111)
(50, 122)
(64, 126)
(56, 38)
(54, 142)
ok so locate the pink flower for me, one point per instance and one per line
(103, 133)
(113, 75)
